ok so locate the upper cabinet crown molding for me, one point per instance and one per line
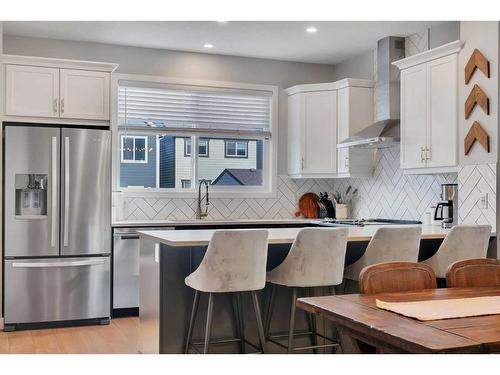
(58, 63)
(337, 85)
(432, 54)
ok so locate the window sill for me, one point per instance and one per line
(193, 194)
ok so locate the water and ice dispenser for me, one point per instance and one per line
(31, 195)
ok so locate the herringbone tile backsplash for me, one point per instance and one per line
(387, 194)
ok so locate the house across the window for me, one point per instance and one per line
(172, 165)
(236, 149)
(134, 149)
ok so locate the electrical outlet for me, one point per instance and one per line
(483, 201)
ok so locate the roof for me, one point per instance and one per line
(242, 176)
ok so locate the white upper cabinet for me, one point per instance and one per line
(321, 115)
(84, 94)
(58, 91)
(413, 116)
(319, 132)
(429, 110)
(31, 91)
(355, 112)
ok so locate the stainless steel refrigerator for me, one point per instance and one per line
(57, 224)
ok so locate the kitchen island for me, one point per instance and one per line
(167, 257)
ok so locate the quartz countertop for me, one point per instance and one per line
(202, 222)
(201, 237)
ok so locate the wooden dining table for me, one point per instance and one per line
(358, 319)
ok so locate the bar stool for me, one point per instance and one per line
(235, 261)
(316, 259)
(462, 242)
(388, 244)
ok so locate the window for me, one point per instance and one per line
(228, 128)
(187, 146)
(134, 149)
(236, 149)
(202, 147)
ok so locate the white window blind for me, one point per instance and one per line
(195, 110)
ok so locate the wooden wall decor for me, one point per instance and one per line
(477, 96)
(476, 61)
(476, 132)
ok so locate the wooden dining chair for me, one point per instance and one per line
(473, 273)
(396, 277)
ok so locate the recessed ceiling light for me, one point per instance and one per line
(208, 45)
(311, 29)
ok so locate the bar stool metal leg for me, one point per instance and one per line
(292, 321)
(238, 321)
(260, 328)
(192, 319)
(269, 310)
(208, 327)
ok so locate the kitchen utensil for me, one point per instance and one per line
(308, 206)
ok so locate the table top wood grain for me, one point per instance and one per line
(359, 316)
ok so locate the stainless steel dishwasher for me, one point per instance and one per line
(126, 266)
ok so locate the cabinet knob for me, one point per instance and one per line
(62, 105)
(54, 105)
(303, 163)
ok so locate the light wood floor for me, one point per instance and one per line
(120, 336)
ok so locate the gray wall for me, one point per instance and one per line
(445, 33)
(185, 65)
(362, 66)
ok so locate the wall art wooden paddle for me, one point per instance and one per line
(476, 96)
(476, 133)
(476, 61)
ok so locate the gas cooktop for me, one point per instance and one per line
(327, 222)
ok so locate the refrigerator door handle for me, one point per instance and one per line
(53, 223)
(75, 263)
(66, 192)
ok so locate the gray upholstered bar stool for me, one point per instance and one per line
(462, 242)
(235, 261)
(388, 244)
(316, 259)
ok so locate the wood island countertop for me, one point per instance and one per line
(201, 237)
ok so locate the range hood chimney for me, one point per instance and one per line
(385, 132)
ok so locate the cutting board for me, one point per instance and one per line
(308, 206)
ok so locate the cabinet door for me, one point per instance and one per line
(413, 116)
(84, 94)
(31, 91)
(343, 129)
(442, 117)
(319, 132)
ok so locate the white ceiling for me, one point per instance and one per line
(334, 41)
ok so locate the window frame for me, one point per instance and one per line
(134, 137)
(268, 189)
(236, 141)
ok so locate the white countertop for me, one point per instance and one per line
(201, 237)
(173, 223)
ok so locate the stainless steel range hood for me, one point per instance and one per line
(385, 132)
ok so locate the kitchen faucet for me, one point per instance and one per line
(199, 213)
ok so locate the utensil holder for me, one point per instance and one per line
(341, 211)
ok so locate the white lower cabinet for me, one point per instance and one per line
(321, 115)
(429, 110)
